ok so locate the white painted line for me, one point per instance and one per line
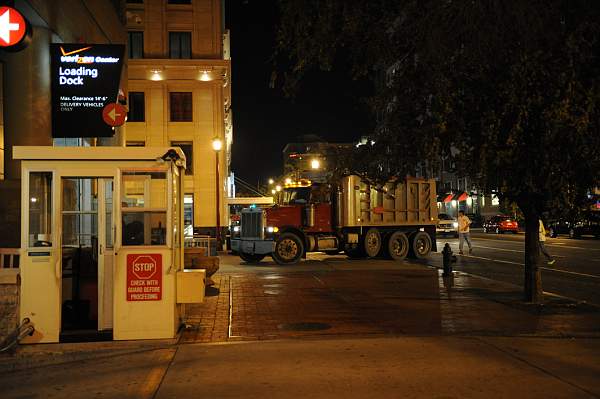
(568, 272)
(510, 250)
(549, 243)
(493, 260)
(541, 267)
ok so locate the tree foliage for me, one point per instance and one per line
(509, 89)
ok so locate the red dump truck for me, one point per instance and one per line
(394, 220)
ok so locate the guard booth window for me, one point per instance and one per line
(40, 209)
(144, 208)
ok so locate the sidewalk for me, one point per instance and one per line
(410, 299)
(386, 330)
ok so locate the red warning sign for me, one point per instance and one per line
(114, 114)
(144, 277)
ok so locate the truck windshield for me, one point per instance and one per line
(296, 195)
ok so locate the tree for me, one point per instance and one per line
(509, 88)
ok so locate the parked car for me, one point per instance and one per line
(447, 225)
(501, 224)
(588, 224)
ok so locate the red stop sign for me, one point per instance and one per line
(144, 267)
(13, 27)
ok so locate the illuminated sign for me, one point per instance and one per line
(15, 30)
(85, 79)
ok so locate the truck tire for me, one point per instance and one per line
(397, 246)
(289, 249)
(251, 258)
(420, 245)
(372, 242)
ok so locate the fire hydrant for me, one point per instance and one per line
(447, 258)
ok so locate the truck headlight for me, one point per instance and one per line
(455, 224)
(272, 229)
(236, 229)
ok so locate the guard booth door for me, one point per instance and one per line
(87, 258)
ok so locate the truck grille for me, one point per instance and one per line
(252, 224)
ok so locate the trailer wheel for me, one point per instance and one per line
(372, 242)
(288, 249)
(420, 245)
(397, 246)
(251, 258)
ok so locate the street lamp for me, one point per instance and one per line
(271, 181)
(217, 144)
(315, 164)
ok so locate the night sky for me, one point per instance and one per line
(328, 104)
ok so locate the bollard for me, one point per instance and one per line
(447, 259)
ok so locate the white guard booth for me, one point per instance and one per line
(102, 243)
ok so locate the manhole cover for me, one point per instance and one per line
(304, 326)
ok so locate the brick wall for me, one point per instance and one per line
(9, 301)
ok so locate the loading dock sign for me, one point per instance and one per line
(144, 277)
(85, 78)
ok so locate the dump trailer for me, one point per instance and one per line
(394, 220)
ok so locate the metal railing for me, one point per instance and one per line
(210, 243)
(9, 258)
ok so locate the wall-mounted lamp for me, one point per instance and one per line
(205, 76)
(156, 74)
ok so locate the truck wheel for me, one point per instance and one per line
(372, 242)
(251, 258)
(397, 246)
(288, 249)
(420, 245)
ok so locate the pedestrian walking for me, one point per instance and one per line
(463, 232)
(542, 241)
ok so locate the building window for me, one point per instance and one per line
(136, 107)
(180, 1)
(135, 44)
(188, 149)
(180, 104)
(180, 45)
(135, 144)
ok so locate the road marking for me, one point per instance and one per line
(151, 381)
(549, 243)
(541, 267)
(511, 250)
(493, 260)
(230, 321)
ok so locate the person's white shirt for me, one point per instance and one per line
(463, 224)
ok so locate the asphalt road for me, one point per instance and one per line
(576, 273)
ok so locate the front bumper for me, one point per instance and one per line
(258, 247)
